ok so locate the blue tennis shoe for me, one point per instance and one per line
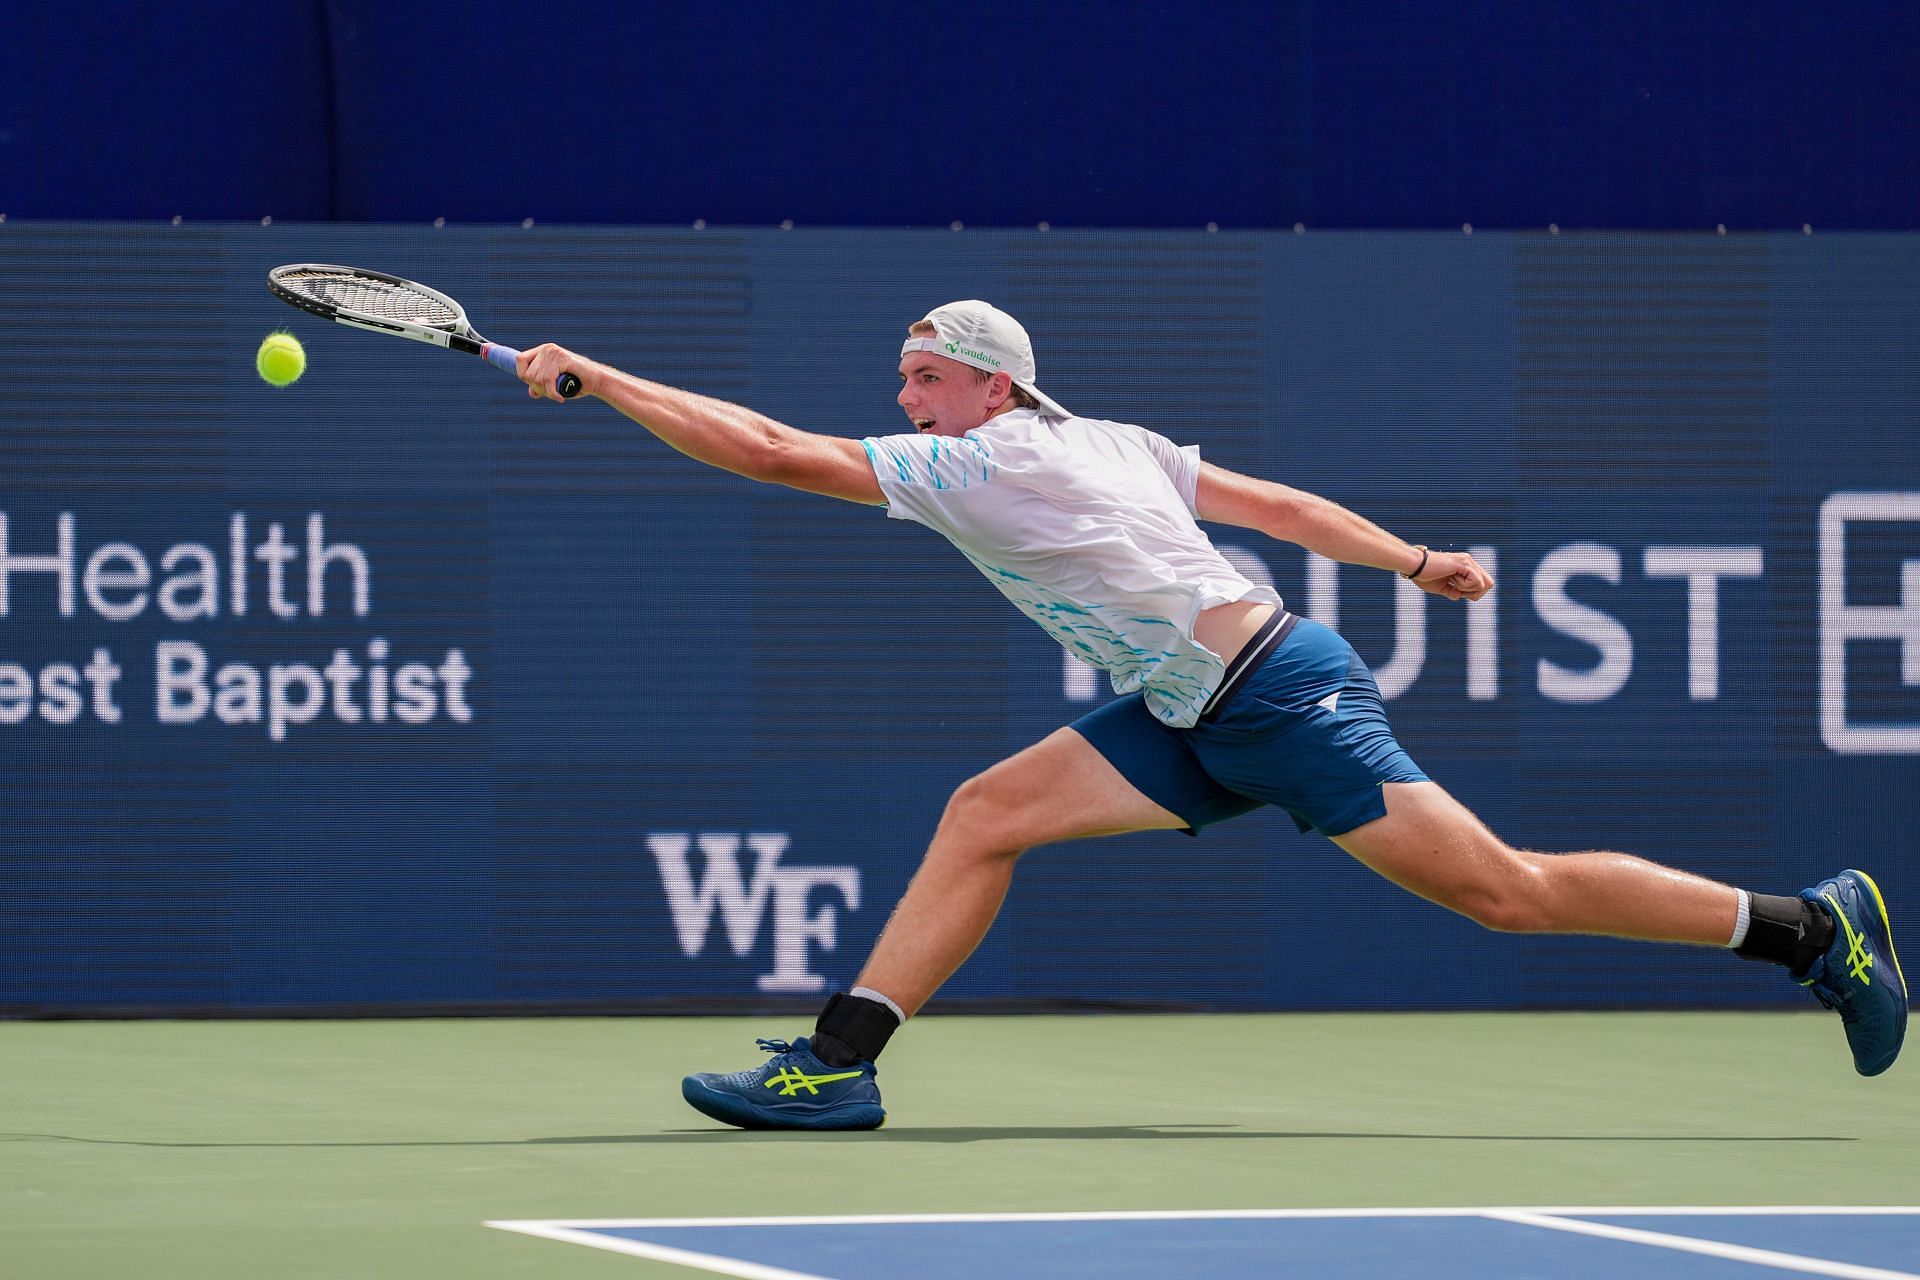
(1859, 976)
(791, 1090)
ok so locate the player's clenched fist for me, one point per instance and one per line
(541, 367)
(1455, 575)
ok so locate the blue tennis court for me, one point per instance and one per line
(1867, 1243)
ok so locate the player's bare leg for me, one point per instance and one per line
(1833, 937)
(1433, 845)
(1058, 789)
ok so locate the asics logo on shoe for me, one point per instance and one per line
(1859, 959)
(790, 1081)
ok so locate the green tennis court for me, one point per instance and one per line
(381, 1148)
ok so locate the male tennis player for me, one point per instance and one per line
(1229, 702)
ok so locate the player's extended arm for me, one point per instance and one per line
(1329, 529)
(720, 434)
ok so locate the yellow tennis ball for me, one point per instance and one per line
(281, 359)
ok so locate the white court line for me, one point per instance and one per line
(1724, 1210)
(1556, 1218)
(1691, 1244)
(658, 1252)
(1164, 1215)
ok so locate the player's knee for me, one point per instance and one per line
(979, 821)
(1512, 898)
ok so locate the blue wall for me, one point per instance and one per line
(633, 677)
(1751, 113)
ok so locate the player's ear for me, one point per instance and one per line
(999, 389)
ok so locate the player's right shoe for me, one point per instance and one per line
(791, 1090)
(1859, 976)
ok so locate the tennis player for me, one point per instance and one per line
(1228, 702)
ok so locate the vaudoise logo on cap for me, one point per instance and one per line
(954, 348)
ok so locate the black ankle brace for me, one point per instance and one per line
(859, 1026)
(1788, 931)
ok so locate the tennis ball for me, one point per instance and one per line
(281, 359)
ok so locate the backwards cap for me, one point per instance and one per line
(985, 337)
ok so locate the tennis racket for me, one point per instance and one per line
(380, 303)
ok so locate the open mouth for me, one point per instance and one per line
(923, 424)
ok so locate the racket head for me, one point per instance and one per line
(368, 299)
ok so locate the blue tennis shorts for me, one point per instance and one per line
(1306, 730)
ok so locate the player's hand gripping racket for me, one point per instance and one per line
(380, 303)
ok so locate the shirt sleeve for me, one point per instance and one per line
(1180, 462)
(916, 472)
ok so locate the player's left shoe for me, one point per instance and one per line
(1859, 976)
(791, 1090)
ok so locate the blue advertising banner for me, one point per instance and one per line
(396, 690)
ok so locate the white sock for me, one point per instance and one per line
(868, 993)
(1743, 920)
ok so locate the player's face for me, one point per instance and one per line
(942, 397)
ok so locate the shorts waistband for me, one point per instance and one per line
(1252, 654)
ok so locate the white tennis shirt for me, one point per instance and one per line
(1088, 527)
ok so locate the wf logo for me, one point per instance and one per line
(743, 901)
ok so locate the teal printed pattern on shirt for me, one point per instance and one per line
(1136, 652)
(1088, 532)
(949, 462)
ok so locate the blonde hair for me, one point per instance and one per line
(1016, 393)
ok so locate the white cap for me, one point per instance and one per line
(985, 337)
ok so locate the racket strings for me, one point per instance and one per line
(381, 299)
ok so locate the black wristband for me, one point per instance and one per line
(1415, 575)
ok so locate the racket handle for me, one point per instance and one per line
(508, 359)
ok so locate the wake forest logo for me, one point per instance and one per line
(744, 902)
